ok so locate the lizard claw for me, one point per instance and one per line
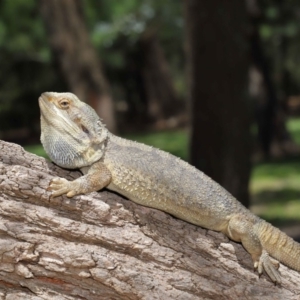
(269, 265)
(60, 186)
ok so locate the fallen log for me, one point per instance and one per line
(102, 246)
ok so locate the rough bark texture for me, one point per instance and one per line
(101, 246)
(70, 42)
(217, 58)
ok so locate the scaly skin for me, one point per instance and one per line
(74, 137)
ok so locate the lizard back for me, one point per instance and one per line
(154, 178)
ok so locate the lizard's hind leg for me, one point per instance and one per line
(240, 229)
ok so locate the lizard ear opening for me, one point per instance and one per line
(84, 129)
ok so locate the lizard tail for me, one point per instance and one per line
(279, 245)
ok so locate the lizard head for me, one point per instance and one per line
(72, 133)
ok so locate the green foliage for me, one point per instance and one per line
(36, 149)
(276, 190)
(27, 67)
(275, 186)
(117, 26)
(280, 31)
(21, 29)
(24, 56)
(112, 19)
(174, 142)
(293, 126)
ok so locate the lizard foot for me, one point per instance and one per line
(269, 265)
(60, 186)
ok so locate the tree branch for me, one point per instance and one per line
(101, 246)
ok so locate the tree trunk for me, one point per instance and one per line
(101, 246)
(162, 100)
(77, 57)
(273, 136)
(217, 67)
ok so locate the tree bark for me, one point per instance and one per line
(101, 246)
(78, 60)
(217, 68)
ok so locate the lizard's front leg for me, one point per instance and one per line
(96, 177)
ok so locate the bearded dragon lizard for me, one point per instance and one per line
(74, 137)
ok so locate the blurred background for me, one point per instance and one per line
(216, 83)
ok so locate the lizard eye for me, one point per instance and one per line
(64, 103)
